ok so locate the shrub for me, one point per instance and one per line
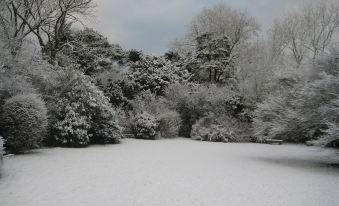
(72, 129)
(134, 56)
(126, 119)
(155, 74)
(169, 121)
(225, 129)
(297, 115)
(105, 128)
(23, 122)
(82, 114)
(193, 102)
(206, 130)
(145, 126)
(169, 124)
(90, 50)
(1, 152)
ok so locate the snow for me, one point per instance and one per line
(178, 172)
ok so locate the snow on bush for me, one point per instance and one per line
(222, 129)
(1, 152)
(145, 126)
(169, 124)
(193, 102)
(105, 128)
(23, 122)
(169, 120)
(206, 130)
(90, 50)
(82, 114)
(155, 74)
(306, 110)
(72, 129)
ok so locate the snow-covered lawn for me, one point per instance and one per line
(170, 173)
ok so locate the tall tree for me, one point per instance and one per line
(213, 55)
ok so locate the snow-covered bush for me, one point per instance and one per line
(90, 50)
(134, 55)
(293, 117)
(306, 111)
(159, 107)
(23, 122)
(169, 124)
(115, 92)
(193, 102)
(72, 129)
(145, 126)
(208, 131)
(155, 74)
(2, 152)
(82, 114)
(105, 128)
(149, 102)
(14, 84)
(223, 129)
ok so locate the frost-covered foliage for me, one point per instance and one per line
(193, 102)
(23, 122)
(207, 131)
(120, 92)
(306, 112)
(155, 74)
(91, 51)
(169, 120)
(82, 114)
(213, 60)
(134, 55)
(72, 128)
(169, 124)
(145, 126)
(2, 152)
(330, 112)
(222, 129)
(148, 101)
(294, 116)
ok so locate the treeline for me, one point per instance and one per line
(222, 82)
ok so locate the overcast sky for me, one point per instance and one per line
(150, 25)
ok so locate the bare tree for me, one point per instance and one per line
(321, 19)
(306, 33)
(45, 19)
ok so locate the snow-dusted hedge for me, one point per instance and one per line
(168, 120)
(1, 152)
(23, 122)
(225, 129)
(213, 132)
(193, 102)
(145, 126)
(169, 124)
(72, 129)
(82, 114)
(155, 74)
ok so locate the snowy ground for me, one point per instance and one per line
(172, 173)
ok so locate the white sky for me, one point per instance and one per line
(150, 25)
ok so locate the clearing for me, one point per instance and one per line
(178, 172)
